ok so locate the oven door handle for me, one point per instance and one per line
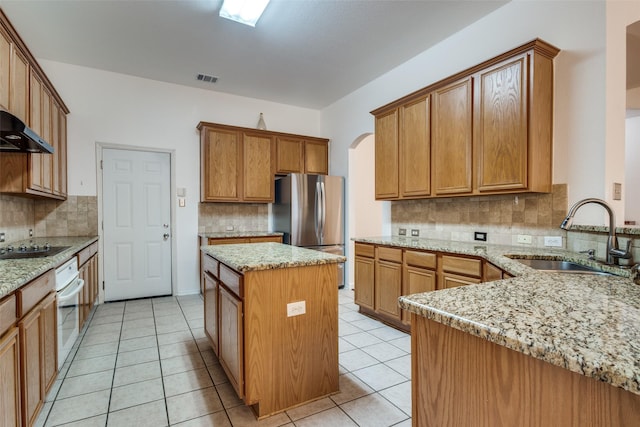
(71, 290)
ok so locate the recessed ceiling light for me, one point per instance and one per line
(243, 11)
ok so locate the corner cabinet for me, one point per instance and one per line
(239, 164)
(485, 130)
(26, 92)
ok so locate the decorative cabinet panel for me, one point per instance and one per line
(26, 92)
(239, 164)
(488, 131)
(10, 415)
(364, 275)
(231, 350)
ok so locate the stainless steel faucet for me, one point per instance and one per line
(613, 252)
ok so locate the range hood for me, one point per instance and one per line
(15, 136)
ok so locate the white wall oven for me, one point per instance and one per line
(68, 288)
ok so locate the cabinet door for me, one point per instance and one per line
(316, 157)
(31, 365)
(452, 138)
(364, 282)
(258, 171)
(388, 288)
(10, 379)
(49, 315)
(211, 310)
(453, 280)
(55, 142)
(19, 95)
(221, 165)
(231, 340)
(62, 152)
(46, 159)
(5, 69)
(416, 280)
(35, 119)
(415, 149)
(289, 155)
(501, 126)
(386, 134)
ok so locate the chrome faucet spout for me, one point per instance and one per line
(612, 241)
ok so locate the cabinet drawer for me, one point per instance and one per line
(365, 250)
(86, 253)
(232, 280)
(7, 313)
(389, 254)
(420, 259)
(210, 265)
(31, 294)
(467, 266)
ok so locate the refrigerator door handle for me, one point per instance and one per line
(323, 218)
(317, 212)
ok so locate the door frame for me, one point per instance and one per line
(100, 147)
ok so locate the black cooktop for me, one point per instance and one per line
(33, 251)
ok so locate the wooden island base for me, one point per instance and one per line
(462, 380)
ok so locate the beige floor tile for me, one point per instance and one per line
(387, 334)
(172, 327)
(244, 416)
(138, 343)
(188, 362)
(98, 421)
(362, 339)
(108, 318)
(193, 404)
(228, 395)
(344, 346)
(104, 328)
(334, 417)
(379, 376)
(138, 332)
(184, 382)
(135, 357)
(384, 351)
(219, 419)
(402, 365)
(75, 386)
(198, 333)
(217, 374)
(373, 411)
(209, 357)
(151, 414)
(403, 343)
(174, 337)
(346, 328)
(139, 315)
(368, 324)
(97, 350)
(136, 373)
(79, 407)
(136, 394)
(100, 338)
(145, 322)
(351, 388)
(178, 349)
(310, 408)
(44, 413)
(89, 366)
(400, 396)
(356, 359)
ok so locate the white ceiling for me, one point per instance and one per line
(308, 53)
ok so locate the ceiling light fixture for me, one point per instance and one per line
(243, 11)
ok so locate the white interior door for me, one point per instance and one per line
(136, 221)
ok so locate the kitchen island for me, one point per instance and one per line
(537, 349)
(271, 315)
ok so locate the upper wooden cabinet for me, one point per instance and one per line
(486, 130)
(26, 92)
(239, 164)
(302, 155)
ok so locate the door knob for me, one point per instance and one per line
(165, 236)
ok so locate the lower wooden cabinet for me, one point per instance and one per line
(231, 339)
(211, 310)
(10, 412)
(384, 273)
(88, 272)
(49, 313)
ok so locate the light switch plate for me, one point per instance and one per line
(617, 191)
(296, 308)
(415, 233)
(402, 232)
(553, 241)
(524, 238)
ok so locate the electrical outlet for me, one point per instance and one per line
(524, 238)
(553, 241)
(296, 308)
(415, 233)
(402, 232)
(480, 236)
(30, 232)
(181, 202)
(1, 237)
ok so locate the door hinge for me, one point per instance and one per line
(103, 285)
(102, 225)
(101, 166)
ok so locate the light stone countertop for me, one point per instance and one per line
(15, 273)
(233, 234)
(245, 257)
(588, 324)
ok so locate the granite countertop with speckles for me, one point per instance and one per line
(232, 234)
(588, 324)
(15, 273)
(245, 257)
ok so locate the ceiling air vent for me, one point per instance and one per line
(206, 78)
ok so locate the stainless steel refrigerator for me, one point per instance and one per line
(309, 210)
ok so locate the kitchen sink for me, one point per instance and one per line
(559, 266)
(32, 253)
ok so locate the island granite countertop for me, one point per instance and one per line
(15, 273)
(245, 257)
(238, 234)
(588, 324)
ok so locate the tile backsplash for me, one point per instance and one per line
(502, 217)
(214, 217)
(76, 216)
